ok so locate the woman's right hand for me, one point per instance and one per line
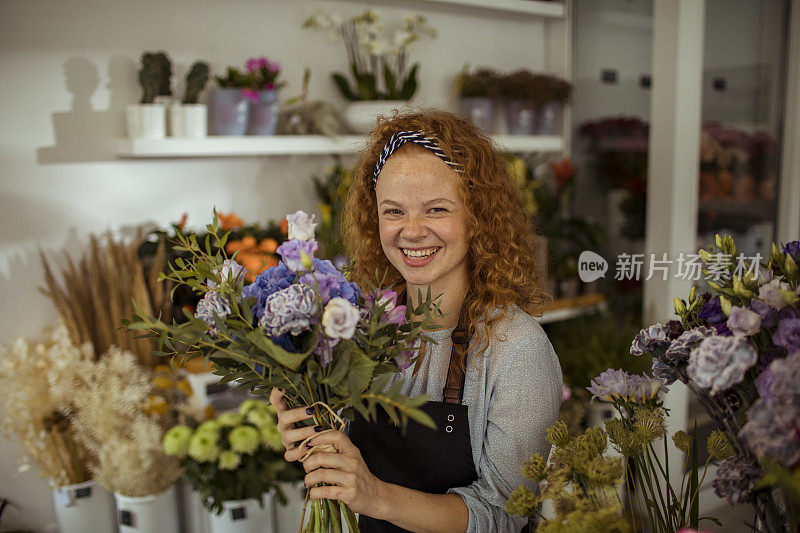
(291, 434)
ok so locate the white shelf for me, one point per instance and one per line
(525, 7)
(253, 145)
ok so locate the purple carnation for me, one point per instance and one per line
(786, 383)
(664, 372)
(289, 311)
(719, 362)
(678, 352)
(292, 253)
(767, 313)
(793, 249)
(712, 313)
(772, 430)
(764, 383)
(211, 308)
(270, 281)
(736, 477)
(650, 340)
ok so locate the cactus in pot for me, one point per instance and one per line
(196, 81)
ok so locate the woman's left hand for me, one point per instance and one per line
(346, 473)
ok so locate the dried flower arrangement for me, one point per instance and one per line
(483, 83)
(115, 418)
(39, 383)
(97, 291)
(523, 84)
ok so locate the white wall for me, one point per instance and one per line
(67, 69)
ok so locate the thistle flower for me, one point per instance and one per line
(605, 470)
(608, 383)
(718, 445)
(203, 447)
(534, 469)
(244, 439)
(649, 424)
(176, 441)
(230, 419)
(229, 460)
(682, 440)
(626, 442)
(558, 435)
(596, 439)
(522, 502)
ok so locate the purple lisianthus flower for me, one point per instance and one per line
(788, 334)
(609, 382)
(764, 383)
(340, 261)
(644, 386)
(324, 349)
(393, 313)
(712, 313)
(771, 293)
(289, 311)
(719, 362)
(767, 314)
(678, 351)
(323, 283)
(301, 226)
(292, 253)
(664, 372)
(345, 289)
(211, 308)
(396, 315)
(786, 384)
(793, 249)
(270, 281)
(772, 430)
(736, 478)
(743, 321)
(651, 340)
(404, 360)
(230, 270)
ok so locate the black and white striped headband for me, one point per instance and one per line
(418, 137)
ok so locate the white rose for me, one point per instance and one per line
(301, 226)
(339, 319)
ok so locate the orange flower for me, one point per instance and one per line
(229, 222)
(564, 171)
(184, 218)
(285, 226)
(245, 243)
(268, 245)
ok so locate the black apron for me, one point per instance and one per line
(425, 460)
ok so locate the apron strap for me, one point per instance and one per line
(453, 392)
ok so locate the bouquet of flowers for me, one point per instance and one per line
(233, 457)
(300, 326)
(739, 352)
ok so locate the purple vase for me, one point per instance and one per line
(264, 114)
(480, 111)
(228, 112)
(520, 117)
(550, 118)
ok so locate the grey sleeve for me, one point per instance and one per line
(524, 401)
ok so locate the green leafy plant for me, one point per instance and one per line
(196, 81)
(378, 66)
(331, 189)
(233, 457)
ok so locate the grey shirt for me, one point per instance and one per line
(513, 396)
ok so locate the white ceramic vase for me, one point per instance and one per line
(361, 116)
(84, 507)
(147, 121)
(287, 517)
(244, 516)
(148, 514)
(188, 120)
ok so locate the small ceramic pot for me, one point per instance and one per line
(480, 111)
(84, 507)
(147, 121)
(188, 120)
(229, 111)
(148, 514)
(362, 116)
(549, 119)
(520, 117)
(263, 114)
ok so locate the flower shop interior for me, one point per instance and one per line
(656, 145)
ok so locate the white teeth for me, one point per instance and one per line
(419, 254)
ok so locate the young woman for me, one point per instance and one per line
(433, 204)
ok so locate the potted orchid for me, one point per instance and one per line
(382, 80)
(148, 118)
(189, 118)
(300, 326)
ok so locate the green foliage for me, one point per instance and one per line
(196, 81)
(154, 76)
(331, 189)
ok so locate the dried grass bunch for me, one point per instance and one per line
(97, 291)
(111, 421)
(39, 383)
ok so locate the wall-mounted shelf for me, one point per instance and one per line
(524, 7)
(253, 145)
(568, 308)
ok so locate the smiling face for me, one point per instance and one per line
(422, 220)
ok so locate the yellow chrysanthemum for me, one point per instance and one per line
(260, 418)
(244, 439)
(209, 426)
(230, 419)
(229, 460)
(271, 438)
(203, 447)
(176, 441)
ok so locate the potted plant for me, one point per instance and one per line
(233, 461)
(382, 80)
(551, 105)
(476, 93)
(230, 104)
(521, 91)
(147, 119)
(190, 118)
(263, 93)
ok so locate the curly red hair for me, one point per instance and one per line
(503, 271)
